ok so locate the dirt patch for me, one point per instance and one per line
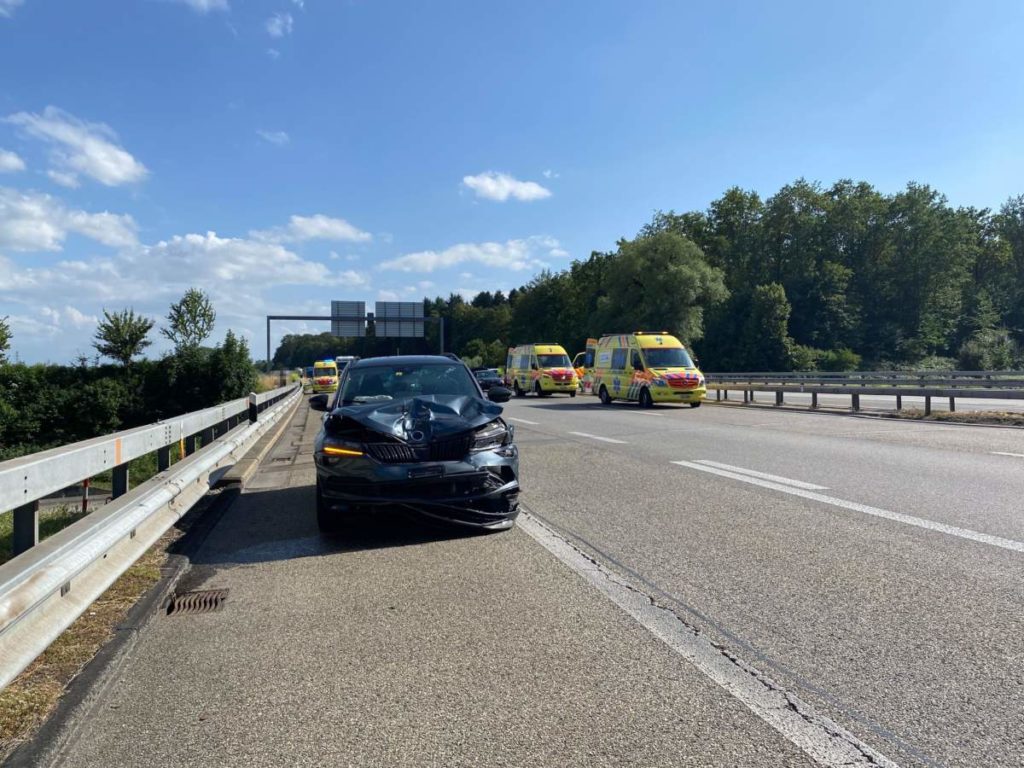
(999, 418)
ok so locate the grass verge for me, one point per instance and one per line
(998, 418)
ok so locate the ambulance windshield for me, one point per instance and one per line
(553, 361)
(673, 357)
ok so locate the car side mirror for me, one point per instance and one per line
(318, 402)
(498, 394)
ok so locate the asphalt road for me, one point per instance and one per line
(717, 586)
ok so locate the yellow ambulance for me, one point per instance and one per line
(647, 368)
(540, 368)
(325, 376)
(583, 364)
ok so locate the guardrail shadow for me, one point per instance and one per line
(280, 524)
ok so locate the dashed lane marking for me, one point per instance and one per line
(765, 476)
(523, 421)
(899, 517)
(598, 437)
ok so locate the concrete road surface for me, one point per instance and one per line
(714, 586)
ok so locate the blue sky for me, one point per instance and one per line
(280, 154)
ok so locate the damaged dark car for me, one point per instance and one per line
(415, 432)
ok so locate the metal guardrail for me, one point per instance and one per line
(988, 385)
(45, 588)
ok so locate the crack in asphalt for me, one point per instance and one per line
(781, 699)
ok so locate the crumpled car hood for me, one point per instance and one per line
(422, 419)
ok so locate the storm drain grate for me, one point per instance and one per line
(201, 601)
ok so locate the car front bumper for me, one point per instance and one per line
(673, 395)
(481, 490)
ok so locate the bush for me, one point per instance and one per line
(991, 349)
(842, 359)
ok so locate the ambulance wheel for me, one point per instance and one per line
(646, 401)
(605, 397)
(517, 389)
(538, 391)
(695, 405)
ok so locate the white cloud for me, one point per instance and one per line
(388, 296)
(300, 3)
(274, 137)
(273, 53)
(316, 227)
(500, 187)
(10, 162)
(549, 174)
(280, 25)
(425, 285)
(79, 319)
(351, 279)
(64, 178)
(81, 147)
(513, 254)
(7, 7)
(36, 222)
(205, 6)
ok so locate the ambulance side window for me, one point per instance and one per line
(638, 364)
(619, 359)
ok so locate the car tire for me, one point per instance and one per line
(605, 397)
(573, 393)
(695, 405)
(646, 401)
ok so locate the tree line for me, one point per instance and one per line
(48, 405)
(813, 277)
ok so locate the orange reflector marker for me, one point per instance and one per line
(333, 450)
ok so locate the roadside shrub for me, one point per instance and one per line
(990, 349)
(842, 359)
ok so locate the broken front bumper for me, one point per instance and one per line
(480, 490)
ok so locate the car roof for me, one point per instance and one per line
(368, 362)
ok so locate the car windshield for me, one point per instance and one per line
(553, 361)
(325, 370)
(487, 374)
(671, 357)
(392, 382)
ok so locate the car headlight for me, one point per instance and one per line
(335, 451)
(492, 435)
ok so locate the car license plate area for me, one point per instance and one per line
(418, 473)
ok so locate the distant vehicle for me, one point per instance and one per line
(583, 363)
(309, 371)
(540, 368)
(343, 360)
(325, 376)
(487, 378)
(415, 432)
(647, 368)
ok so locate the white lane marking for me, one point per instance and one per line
(598, 437)
(920, 522)
(824, 740)
(522, 421)
(1004, 453)
(765, 476)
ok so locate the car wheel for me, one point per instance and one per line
(695, 405)
(573, 393)
(537, 390)
(517, 389)
(605, 397)
(646, 401)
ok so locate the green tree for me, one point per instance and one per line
(766, 344)
(661, 282)
(5, 338)
(121, 336)
(190, 321)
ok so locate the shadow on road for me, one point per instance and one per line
(281, 524)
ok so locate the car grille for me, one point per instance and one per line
(451, 449)
(681, 383)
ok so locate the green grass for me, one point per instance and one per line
(999, 418)
(51, 521)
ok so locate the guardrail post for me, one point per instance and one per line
(952, 405)
(927, 405)
(856, 402)
(751, 395)
(899, 402)
(190, 445)
(120, 484)
(253, 409)
(163, 458)
(206, 436)
(778, 397)
(814, 399)
(718, 395)
(26, 528)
